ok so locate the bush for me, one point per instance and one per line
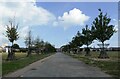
(23, 49)
(81, 49)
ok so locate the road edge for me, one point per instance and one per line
(19, 72)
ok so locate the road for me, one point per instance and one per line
(60, 65)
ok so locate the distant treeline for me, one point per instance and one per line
(94, 49)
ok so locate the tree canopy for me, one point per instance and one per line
(11, 31)
(102, 28)
(87, 36)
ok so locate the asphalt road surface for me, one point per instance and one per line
(60, 65)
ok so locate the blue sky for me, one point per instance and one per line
(62, 33)
(58, 35)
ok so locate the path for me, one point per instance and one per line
(59, 65)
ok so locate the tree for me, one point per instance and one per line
(28, 42)
(39, 44)
(77, 41)
(72, 47)
(102, 30)
(16, 46)
(65, 48)
(12, 35)
(88, 38)
(49, 48)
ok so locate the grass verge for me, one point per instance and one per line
(10, 66)
(109, 67)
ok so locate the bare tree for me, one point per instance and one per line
(28, 42)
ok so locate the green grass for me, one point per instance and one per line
(109, 66)
(0, 69)
(112, 54)
(10, 66)
(18, 55)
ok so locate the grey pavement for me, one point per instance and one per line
(59, 65)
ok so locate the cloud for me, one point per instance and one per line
(115, 22)
(74, 17)
(24, 31)
(114, 19)
(27, 14)
(18, 1)
(116, 27)
(2, 36)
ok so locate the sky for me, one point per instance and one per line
(55, 22)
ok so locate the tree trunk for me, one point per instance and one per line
(37, 51)
(87, 51)
(11, 54)
(103, 53)
(78, 50)
(68, 50)
(29, 52)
